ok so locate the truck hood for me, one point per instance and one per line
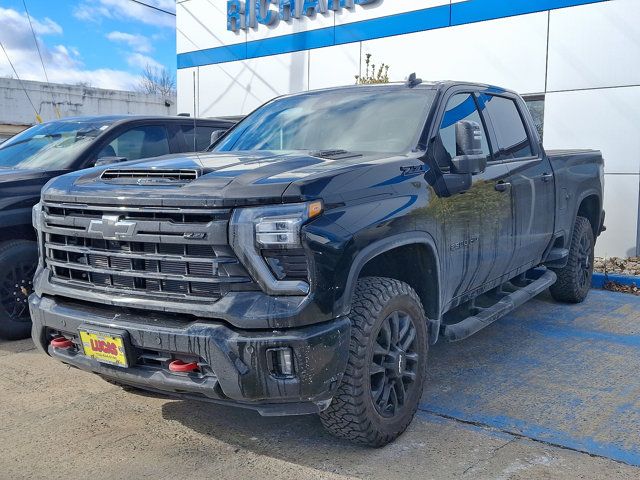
(21, 188)
(9, 175)
(223, 179)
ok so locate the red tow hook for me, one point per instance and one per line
(61, 342)
(180, 366)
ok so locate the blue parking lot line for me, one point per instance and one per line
(557, 373)
(599, 279)
(543, 434)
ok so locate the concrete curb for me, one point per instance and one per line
(599, 279)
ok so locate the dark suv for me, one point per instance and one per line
(33, 157)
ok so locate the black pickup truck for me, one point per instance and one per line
(35, 156)
(306, 263)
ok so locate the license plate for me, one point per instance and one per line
(105, 348)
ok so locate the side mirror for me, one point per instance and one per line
(109, 160)
(469, 158)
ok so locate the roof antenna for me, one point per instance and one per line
(412, 81)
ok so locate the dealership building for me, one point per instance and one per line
(576, 62)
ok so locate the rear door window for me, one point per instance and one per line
(202, 136)
(511, 134)
(139, 142)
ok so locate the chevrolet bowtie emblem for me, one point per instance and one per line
(110, 227)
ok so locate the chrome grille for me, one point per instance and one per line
(164, 253)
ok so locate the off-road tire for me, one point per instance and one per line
(353, 413)
(574, 279)
(18, 260)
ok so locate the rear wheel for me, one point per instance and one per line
(382, 385)
(18, 260)
(574, 279)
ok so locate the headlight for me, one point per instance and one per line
(279, 227)
(36, 216)
(270, 227)
(37, 222)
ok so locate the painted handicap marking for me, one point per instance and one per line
(562, 374)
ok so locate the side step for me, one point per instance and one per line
(486, 316)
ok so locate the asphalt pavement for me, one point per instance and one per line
(550, 391)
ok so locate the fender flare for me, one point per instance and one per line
(588, 193)
(385, 245)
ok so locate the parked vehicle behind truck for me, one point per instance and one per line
(33, 157)
(307, 263)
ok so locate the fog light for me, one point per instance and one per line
(280, 361)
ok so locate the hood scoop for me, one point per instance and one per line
(149, 176)
(334, 154)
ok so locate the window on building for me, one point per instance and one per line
(139, 142)
(461, 106)
(535, 103)
(511, 134)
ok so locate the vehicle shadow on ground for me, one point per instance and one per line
(302, 439)
(8, 347)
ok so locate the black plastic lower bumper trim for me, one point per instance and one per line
(239, 369)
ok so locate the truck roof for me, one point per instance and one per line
(431, 84)
(125, 118)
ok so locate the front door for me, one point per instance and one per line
(478, 223)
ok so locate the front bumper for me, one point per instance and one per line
(234, 364)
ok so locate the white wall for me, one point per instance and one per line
(478, 52)
(583, 58)
(593, 101)
(73, 100)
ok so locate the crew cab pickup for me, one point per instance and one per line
(308, 261)
(30, 159)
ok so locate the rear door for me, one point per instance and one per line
(530, 175)
(136, 142)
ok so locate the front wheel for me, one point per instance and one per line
(574, 279)
(383, 382)
(18, 260)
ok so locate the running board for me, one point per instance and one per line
(486, 316)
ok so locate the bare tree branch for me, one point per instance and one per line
(157, 81)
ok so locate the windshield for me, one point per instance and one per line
(50, 146)
(364, 119)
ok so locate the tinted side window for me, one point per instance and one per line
(202, 136)
(139, 142)
(461, 106)
(513, 141)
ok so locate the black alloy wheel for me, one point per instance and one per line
(15, 288)
(18, 262)
(394, 363)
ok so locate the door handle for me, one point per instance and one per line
(546, 176)
(503, 186)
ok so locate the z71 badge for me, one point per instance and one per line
(413, 169)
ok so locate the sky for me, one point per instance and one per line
(101, 43)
